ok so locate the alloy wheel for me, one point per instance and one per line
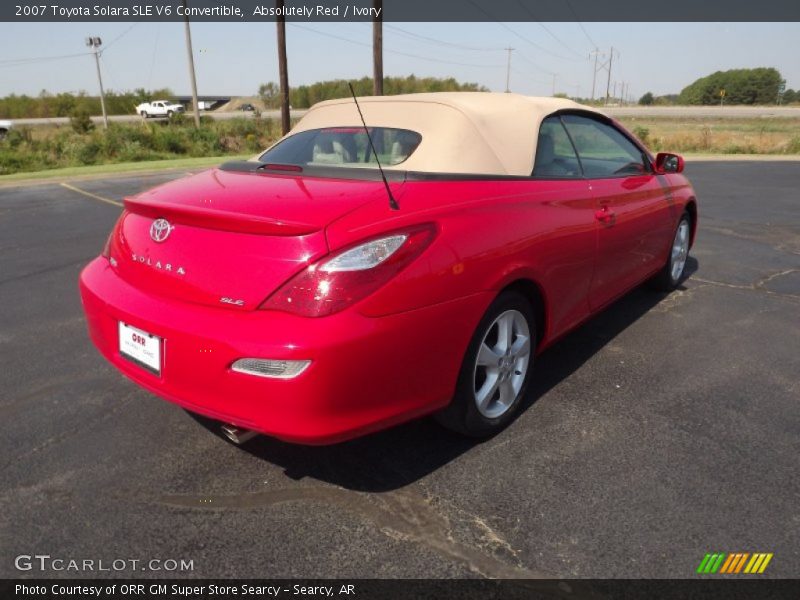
(501, 364)
(680, 250)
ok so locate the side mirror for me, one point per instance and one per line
(669, 163)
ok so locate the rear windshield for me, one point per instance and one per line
(344, 147)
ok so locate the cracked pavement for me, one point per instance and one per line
(665, 428)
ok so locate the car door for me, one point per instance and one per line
(564, 221)
(632, 207)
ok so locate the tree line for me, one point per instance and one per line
(66, 104)
(304, 96)
(737, 86)
(741, 86)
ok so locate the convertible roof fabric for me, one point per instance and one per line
(462, 132)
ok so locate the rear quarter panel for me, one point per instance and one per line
(490, 234)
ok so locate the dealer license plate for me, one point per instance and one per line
(140, 347)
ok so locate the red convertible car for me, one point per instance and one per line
(311, 296)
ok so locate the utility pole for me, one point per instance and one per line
(94, 43)
(189, 52)
(608, 81)
(282, 67)
(377, 48)
(554, 84)
(508, 70)
(614, 94)
(594, 73)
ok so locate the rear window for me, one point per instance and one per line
(344, 147)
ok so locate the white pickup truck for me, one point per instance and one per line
(159, 108)
(5, 127)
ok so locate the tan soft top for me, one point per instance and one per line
(462, 132)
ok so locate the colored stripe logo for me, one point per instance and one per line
(734, 563)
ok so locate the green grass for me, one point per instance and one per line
(26, 150)
(113, 168)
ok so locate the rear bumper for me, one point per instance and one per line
(366, 373)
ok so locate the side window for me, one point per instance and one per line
(604, 151)
(555, 155)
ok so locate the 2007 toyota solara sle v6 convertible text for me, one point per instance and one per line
(312, 296)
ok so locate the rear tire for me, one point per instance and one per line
(496, 369)
(671, 275)
(144, 114)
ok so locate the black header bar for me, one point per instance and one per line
(403, 10)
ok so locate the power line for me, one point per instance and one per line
(121, 35)
(550, 82)
(556, 38)
(547, 29)
(534, 44)
(530, 79)
(440, 42)
(13, 62)
(436, 60)
(523, 38)
(109, 73)
(583, 29)
(537, 66)
(35, 59)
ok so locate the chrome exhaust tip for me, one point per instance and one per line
(236, 435)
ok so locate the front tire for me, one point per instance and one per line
(672, 273)
(496, 369)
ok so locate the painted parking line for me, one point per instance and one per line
(91, 195)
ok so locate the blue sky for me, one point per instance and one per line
(234, 58)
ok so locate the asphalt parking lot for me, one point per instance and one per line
(665, 428)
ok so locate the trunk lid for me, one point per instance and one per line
(229, 239)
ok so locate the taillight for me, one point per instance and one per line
(336, 282)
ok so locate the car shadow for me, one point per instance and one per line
(397, 457)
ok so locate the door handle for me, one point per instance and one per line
(605, 216)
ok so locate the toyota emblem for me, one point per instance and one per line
(160, 230)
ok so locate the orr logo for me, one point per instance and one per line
(737, 563)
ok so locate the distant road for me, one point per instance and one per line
(719, 112)
(731, 112)
(267, 114)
